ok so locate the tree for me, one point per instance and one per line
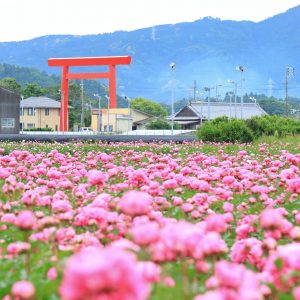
(272, 106)
(33, 90)
(11, 84)
(149, 107)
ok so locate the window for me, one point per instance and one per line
(7, 123)
(21, 111)
(31, 111)
(56, 128)
(46, 111)
(30, 125)
(110, 128)
(47, 126)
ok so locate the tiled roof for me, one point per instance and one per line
(219, 109)
(40, 102)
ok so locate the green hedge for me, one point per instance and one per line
(224, 130)
(38, 129)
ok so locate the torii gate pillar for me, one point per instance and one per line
(66, 63)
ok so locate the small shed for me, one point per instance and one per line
(9, 111)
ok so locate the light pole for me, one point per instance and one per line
(241, 69)
(99, 112)
(173, 68)
(217, 92)
(129, 114)
(235, 95)
(108, 105)
(208, 89)
(230, 102)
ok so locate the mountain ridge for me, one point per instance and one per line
(206, 50)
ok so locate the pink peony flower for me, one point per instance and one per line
(109, 273)
(52, 274)
(216, 222)
(25, 220)
(18, 247)
(296, 293)
(271, 219)
(150, 271)
(134, 203)
(96, 177)
(170, 184)
(144, 234)
(211, 295)
(187, 207)
(23, 289)
(294, 185)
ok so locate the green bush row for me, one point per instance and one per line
(38, 129)
(223, 129)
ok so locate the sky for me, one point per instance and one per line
(27, 19)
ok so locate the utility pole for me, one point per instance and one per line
(173, 68)
(82, 105)
(289, 72)
(208, 89)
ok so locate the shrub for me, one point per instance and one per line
(273, 125)
(224, 130)
(38, 129)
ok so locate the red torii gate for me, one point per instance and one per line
(65, 63)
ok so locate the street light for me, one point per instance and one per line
(253, 99)
(241, 69)
(108, 105)
(235, 94)
(173, 68)
(99, 111)
(129, 114)
(208, 89)
(217, 92)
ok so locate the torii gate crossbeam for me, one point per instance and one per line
(66, 63)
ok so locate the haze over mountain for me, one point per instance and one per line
(207, 50)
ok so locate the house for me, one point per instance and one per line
(119, 119)
(195, 113)
(40, 112)
(9, 111)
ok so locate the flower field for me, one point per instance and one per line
(135, 221)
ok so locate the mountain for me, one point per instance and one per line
(207, 50)
(26, 75)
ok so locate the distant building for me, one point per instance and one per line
(9, 111)
(194, 114)
(40, 112)
(120, 119)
